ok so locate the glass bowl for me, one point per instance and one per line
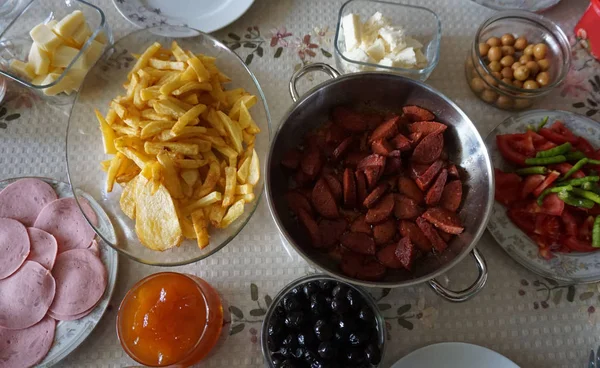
(84, 149)
(489, 87)
(420, 23)
(15, 41)
(303, 280)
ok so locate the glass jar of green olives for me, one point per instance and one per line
(516, 58)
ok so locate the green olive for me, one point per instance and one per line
(477, 85)
(521, 73)
(524, 59)
(507, 50)
(540, 50)
(504, 102)
(508, 39)
(533, 67)
(507, 72)
(508, 60)
(515, 65)
(520, 43)
(522, 103)
(490, 80)
(483, 49)
(489, 96)
(517, 83)
(528, 50)
(543, 78)
(494, 41)
(495, 53)
(507, 80)
(531, 84)
(495, 66)
(544, 64)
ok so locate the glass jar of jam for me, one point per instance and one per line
(170, 320)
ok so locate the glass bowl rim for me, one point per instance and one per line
(136, 286)
(540, 22)
(437, 39)
(371, 302)
(103, 24)
(258, 198)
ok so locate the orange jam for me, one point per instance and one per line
(170, 319)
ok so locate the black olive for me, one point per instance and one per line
(277, 359)
(354, 299)
(355, 356)
(310, 356)
(339, 337)
(288, 339)
(373, 354)
(310, 288)
(323, 330)
(276, 327)
(294, 319)
(285, 352)
(291, 303)
(326, 285)
(297, 291)
(339, 305)
(366, 314)
(318, 304)
(347, 325)
(307, 338)
(339, 289)
(298, 352)
(289, 364)
(317, 364)
(272, 344)
(358, 338)
(279, 312)
(327, 350)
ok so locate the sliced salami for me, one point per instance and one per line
(26, 347)
(14, 246)
(43, 247)
(24, 199)
(26, 296)
(63, 219)
(80, 282)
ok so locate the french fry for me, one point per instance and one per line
(105, 164)
(199, 69)
(187, 132)
(233, 213)
(119, 109)
(192, 86)
(230, 181)
(201, 228)
(189, 75)
(150, 114)
(203, 146)
(248, 100)
(233, 95)
(166, 65)
(154, 148)
(216, 214)
(248, 198)
(131, 87)
(190, 163)
(212, 177)
(254, 171)
(169, 87)
(233, 130)
(205, 201)
(190, 176)
(245, 119)
(111, 116)
(187, 227)
(143, 59)
(243, 170)
(186, 118)
(153, 128)
(175, 101)
(244, 189)
(215, 121)
(108, 134)
(217, 91)
(171, 180)
(248, 138)
(126, 130)
(191, 99)
(179, 54)
(157, 176)
(168, 108)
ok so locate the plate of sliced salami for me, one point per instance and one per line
(56, 278)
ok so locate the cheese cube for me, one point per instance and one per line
(376, 50)
(405, 58)
(371, 28)
(65, 84)
(67, 26)
(358, 55)
(81, 34)
(93, 52)
(411, 42)
(37, 81)
(23, 69)
(386, 62)
(393, 37)
(51, 23)
(76, 76)
(63, 56)
(101, 37)
(57, 70)
(352, 29)
(39, 59)
(44, 37)
(421, 58)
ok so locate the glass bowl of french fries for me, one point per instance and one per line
(169, 136)
(49, 45)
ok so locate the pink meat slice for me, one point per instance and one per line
(26, 296)
(26, 347)
(63, 219)
(43, 247)
(14, 246)
(60, 317)
(24, 199)
(94, 248)
(80, 282)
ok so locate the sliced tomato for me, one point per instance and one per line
(585, 231)
(523, 143)
(550, 178)
(508, 151)
(552, 205)
(523, 220)
(577, 245)
(570, 223)
(543, 244)
(561, 129)
(545, 146)
(536, 138)
(556, 137)
(564, 167)
(530, 183)
(594, 211)
(584, 146)
(508, 187)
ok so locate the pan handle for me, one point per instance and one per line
(471, 291)
(313, 67)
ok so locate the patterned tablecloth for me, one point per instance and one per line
(533, 321)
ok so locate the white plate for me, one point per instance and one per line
(70, 334)
(454, 355)
(203, 15)
(567, 267)
(530, 5)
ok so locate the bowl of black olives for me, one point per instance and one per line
(318, 321)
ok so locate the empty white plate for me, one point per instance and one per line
(454, 355)
(203, 15)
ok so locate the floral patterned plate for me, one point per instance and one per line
(70, 334)
(530, 5)
(203, 15)
(567, 267)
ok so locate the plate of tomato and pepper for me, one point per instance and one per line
(546, 213)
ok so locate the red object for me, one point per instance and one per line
(550, 178)
(552, 205)
(530, 183)
(508, 151)
(588, 29)
(507, 187)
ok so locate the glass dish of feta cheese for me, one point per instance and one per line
(384, 36)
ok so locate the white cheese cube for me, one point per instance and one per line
(51, 23)
(386, 62)
(393, 37)
(63, 56)
(37, 81)
(371, 28)
(65, 84)
(421, 58)
(44, 37)
(411, 42)
(39, 59)
(81, 34)
(69, 24)
(23, 69)
(93, 52)
(358, 55)
(352, 30)
(376, 50)
(405, 58)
